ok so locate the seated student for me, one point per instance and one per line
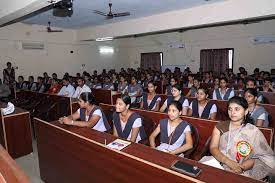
(223, 93)
(96, 84)
(194, 89)
(54, 76)
(240, 86)
(67, 90)
(251, 83)
(122, 85)
(175, 134)
(173, 81)
(216, 83)
(82, 87)
(240, 146)
(89, 114)
(190, 81)
(150, 101)
(267, 87)
(108, 85)
(207, 78)
(46, 78)
(201, 107)
(40, 87)
(177, 96)
(32, 84)
(257, 113)
(127, 124)
(134, 91)
(21, 84)
(55, 86)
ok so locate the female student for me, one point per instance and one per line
(194, 89)
(134, 91)
(223, 93)
(201, 107)
(240, 146)
(257, 113)
(173, 82)
(89, 114)
(150, 101)
(175, 134)
(177, 96)
(127, 124)
(122, 85)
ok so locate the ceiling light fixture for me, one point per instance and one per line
(104, 39)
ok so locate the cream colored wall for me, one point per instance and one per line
(234, 36)
(56, 56)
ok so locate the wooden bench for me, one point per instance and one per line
(55, 106)
(15, 132)
(9, 170)
(79, 155)
(205, 127)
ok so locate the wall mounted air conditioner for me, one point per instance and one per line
(176, 45)
(33, 46)
(263, 40)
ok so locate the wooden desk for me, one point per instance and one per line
(16, 132)
(9, 170)
(79, 155)
(205, 127)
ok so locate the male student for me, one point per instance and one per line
(67, 90)
(82, 87)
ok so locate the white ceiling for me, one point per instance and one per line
(83, 15)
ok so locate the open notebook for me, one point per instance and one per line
(118, 144)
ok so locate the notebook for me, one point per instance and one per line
(118, 144)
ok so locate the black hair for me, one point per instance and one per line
(242, 102)
(224, 78)
(253, 80)
(204, 89)
(126, 99)
(21, 77)
(177, 104)
(31, 77)
(268, 79)
(81, 78)
(177, 86)
(8, 63)
(152, 82)
(88, 97)
(252, 91)
(66, 79)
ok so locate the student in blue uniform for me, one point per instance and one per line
(201, 107)
(173, 81)
(89, 114)
(177, 96)
(194, 88)
(150, 101)
(223, 92)
(257, 113)
(127, 124)
(175, 134)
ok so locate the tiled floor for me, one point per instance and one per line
(30, 166)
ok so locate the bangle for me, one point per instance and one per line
(72, 122)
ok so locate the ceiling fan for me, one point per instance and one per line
(49, 29)
(111, 14)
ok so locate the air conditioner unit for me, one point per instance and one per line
(263, 40)
(176, 45)
(33, 46)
